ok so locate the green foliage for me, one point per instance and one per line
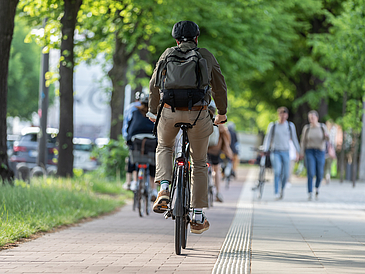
(112, 157)
(44, 204)
(343, 52)
(23, 77)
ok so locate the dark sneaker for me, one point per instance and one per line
(317, 195)
(199, 227)
(153, 195)
(162, 201)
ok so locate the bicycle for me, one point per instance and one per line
(143, 158)
(261, 179)
(179, 205)
(210, 186)
(226, 170)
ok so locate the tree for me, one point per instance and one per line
(343, 52)
(66, 131)
(67, 10)
(7, 15)
(118, 29)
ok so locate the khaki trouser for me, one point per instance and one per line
(198, 138)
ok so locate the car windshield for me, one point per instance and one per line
(10, 144)
(33, 137)
(83, 147)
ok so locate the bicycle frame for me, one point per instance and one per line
(179, 206)
(181, 166)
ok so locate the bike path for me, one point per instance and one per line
(126, 243)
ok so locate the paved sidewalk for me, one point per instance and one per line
(126, 243)
(300, 236)
(247, 235)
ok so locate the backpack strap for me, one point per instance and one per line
(324, 134)
(157, 119)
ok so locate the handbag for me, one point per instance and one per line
(330, 151)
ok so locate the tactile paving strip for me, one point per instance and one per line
(234, 256)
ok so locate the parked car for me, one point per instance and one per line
(10, 139)
(82, 154)
(100, 142)
(25, 150)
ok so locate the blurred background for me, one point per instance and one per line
(304, 55)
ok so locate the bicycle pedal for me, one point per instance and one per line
(167, 214)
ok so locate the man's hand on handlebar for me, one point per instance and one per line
(220, 119)
(151, 116)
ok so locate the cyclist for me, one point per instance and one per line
(214, 153)
(131, 178)
(140, 124)
(234, 147)
(186, 35)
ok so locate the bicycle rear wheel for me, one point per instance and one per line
(186, 217)
(179, 212)
(147, 197)
(141, 198)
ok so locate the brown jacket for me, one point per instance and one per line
(216, 79)
(223, 143)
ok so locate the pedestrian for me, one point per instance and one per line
(277, 142)
(330, 150)
(234, 147)
(186, 35)
(214, 154)
(313, 147)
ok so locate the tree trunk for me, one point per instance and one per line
(118, 76)
(300, 116)
(362, 155)
(354, 159)
(141, 74)
(342, 154)
(65, 136)
(7, 15)
(356, 149)
(323, 110)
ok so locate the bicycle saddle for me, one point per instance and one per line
(142, 136)
(188, 125)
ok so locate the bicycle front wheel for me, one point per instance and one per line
(178, 234)
(261, 182)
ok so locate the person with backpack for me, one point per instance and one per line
(234, 147)
(277, 142)
(180, 91)
(313, 147)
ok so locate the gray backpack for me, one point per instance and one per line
(182, 77)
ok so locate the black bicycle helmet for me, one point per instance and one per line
(137, 95)
(144, 98)
(185, 30)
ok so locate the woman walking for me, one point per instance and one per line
(313, 146)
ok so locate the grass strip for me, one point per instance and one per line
(48, 203)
